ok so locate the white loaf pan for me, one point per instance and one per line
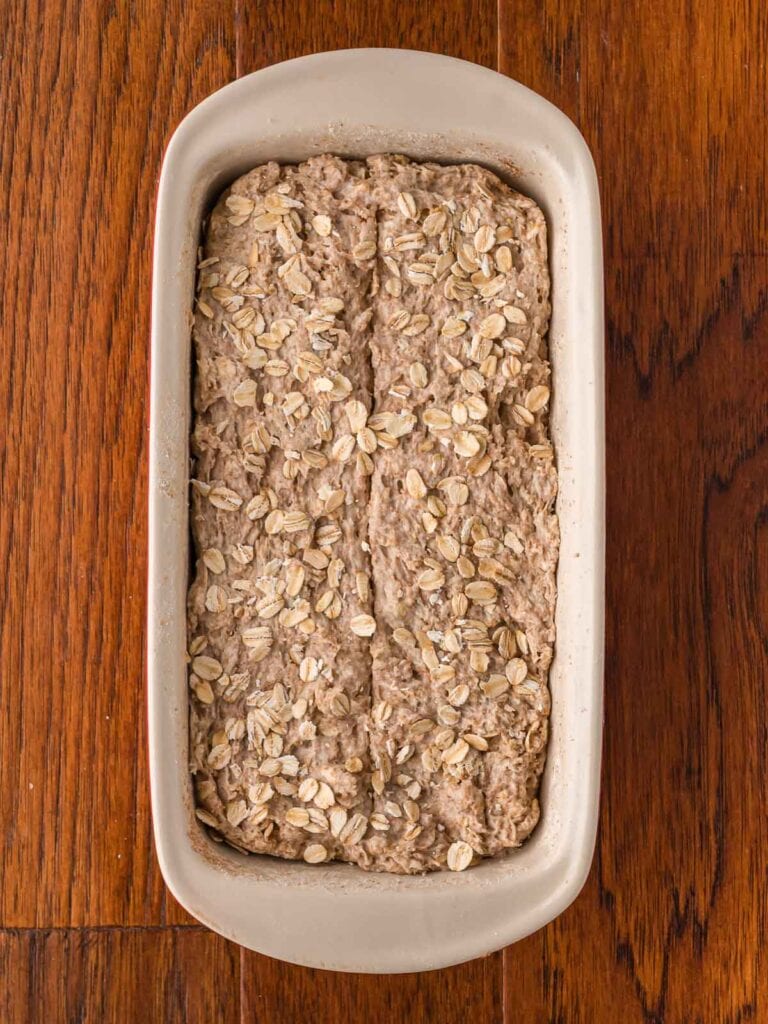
(356, 103)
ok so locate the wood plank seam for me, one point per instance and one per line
(117, 929)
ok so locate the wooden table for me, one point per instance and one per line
(671, 926)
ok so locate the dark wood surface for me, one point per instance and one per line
(672, 924)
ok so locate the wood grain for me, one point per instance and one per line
(90, 93)
(469, 992)
(118, 976)
(271, 31)
(672, 925)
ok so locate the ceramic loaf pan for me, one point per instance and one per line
(355, 103)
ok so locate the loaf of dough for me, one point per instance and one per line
(371, 616)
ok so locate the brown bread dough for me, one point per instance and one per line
(371, 616)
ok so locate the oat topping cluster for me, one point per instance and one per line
(371, 617)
